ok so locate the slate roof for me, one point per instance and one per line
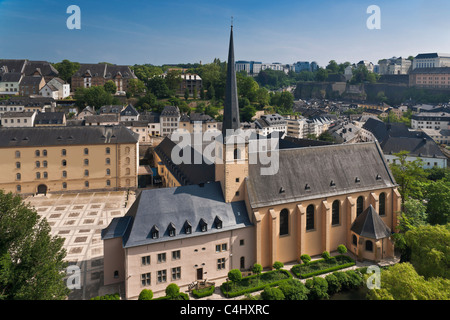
(31, 80)
(10, 77)
(186, 174)
(59, 136)
(307, 173)
(436, 70)
(45, 68)
(49, 118)
(104, 70)
(369, 225)
(166, 208)
(13, 65)
(129, 111)
(170, 111)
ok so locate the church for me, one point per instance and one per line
(227, 215)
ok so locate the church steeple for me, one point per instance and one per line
(231, 105)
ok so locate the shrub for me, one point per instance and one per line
(334, 285)
(326, 255)
(271, 293)
(200, 293)
(235, 275)
(321, 266)
(172, 290)
(355, 279)
(305, 258)
(146, 294)
(342, 249)
(277, 265)
(318, 288)
(114, 296)
(294, 290)
(343, 279)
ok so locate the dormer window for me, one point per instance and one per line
(203, 225)
(155, 232)
(171, 229)
(218, 222)
(187, 227)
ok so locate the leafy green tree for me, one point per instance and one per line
(173, 79)
(194, 93)
(66, 69)
(272, 293)
(257, 269)
(110, 87)
(172, 290)
(135, 87)
(430, 250)
(157, 85)
(321, 75)
(326, 136)
(294, 290)
(247, 113)
(332, 67)
(334, 285)
(342, 249)
(146, 294)
(235, 275)
(32, 265)
(407, 174)
(438, 202)
(186, 94)
(318, 288)
(145, 72)
(402, 282)
(95, 96)
(326, 255)
(211, 94)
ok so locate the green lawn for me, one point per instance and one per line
(322, 266)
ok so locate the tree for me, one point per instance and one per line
(407, 174)
(110, 87)
(95, 96)
(294, 290)
(66, 69)
(257, 269)
(157, 85)
(402, 282)
(135, 87)
(172, 290)
(271, 293)
(173, 79)
(32, 265)
(186, 94)
(235, 275)
(321, 75)
(326, 255)
(438, 202)
(332, 67)
(318, 288)
(342, 249)
(334, 285)
(247, 113)
(326, 136)
(146, 294)
(277, 265)
(430, 252)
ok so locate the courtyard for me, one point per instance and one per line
(79, 218)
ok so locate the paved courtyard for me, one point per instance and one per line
(79, 219)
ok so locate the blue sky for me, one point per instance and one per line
(179, 31)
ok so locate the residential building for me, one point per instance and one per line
(395, 137)
(192, 82)
(439, 136)
(87, 111)
(89, 75)
(9, 83)
(369, 65)
(433, 78)
(267, 124)
(17, 119)
(430, 120)
(31, 85)
(251, 67)
(129, 113)
(56, 88)
(431, 60)
(50, 119)
(141, 128)
(394, 65)
(65, 159)
(191, 232)
(101, 120)
(169, 120)
(197, 122)
(154, 124)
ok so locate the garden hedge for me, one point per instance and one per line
(229, 294)
(296, 269)
(203, 292)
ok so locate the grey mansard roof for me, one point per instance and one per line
(59, 136)
(177, 207)
(322, 171)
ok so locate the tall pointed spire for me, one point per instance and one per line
(231, 105)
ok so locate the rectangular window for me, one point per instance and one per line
(145, 260)
(161, 257)
(176, 273)
(176, 255)
(221, 264)
(221, 247)
(145, 279)
(162, 276)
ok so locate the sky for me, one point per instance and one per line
(179, 31)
